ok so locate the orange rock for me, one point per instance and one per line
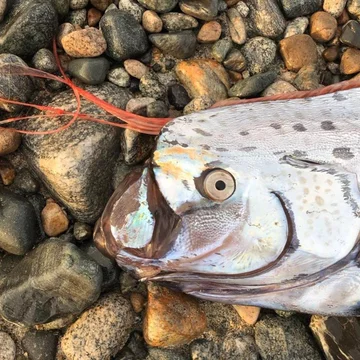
(172, 318)
(322, 26)
(249, 314)
(54, 219)
(209, 32)
(137, 301)
(9, 141)
(350, 61)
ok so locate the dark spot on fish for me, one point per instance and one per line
(327, 125)
(202, 132)
(343, 153)
(299, 115)
(299, 127)
(165, 130)
(339, 97)
(173, 142)
(244, 133)
(222, 149)
(275, 126)
(279, 152)
(248, 148)
(205, 147)
(299, 153)
(211, 117)
(187, 120)
(186, 184)
(214, 164)
(184, 145)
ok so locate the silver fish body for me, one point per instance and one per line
(287, 234)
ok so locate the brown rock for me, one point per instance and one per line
(343, 18)
(322, 26)
(350, 61)
(54, 219)
(198, 104)
(152, 22)
(136, 68)
(9, 141)
(298, 51)
(88, 42)
(137, 301)
(236, 26)
(279, 87)
(101, 4)
(331, 53)
(93, 16)
(209, 32)
(203, 78)
(172, 318)
(7, 171)
(249, 314)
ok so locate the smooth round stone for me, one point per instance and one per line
(181, 45)
(152, 22)
(82, 231)
(178, 96)
(350, 62)
(353, 7)
(8, 347)
(200, 9)
(119, 77)
(101, 5)
(198, 104)
(136, 68)
(25, 182)
(350, 34)
(236, 26)
(220, 49)
(308, 78)
(209, 32)
(294, 8)
(331, 53)
(157, 109)
(150, 86)
(235, 61)
(44, 60)
(54, 219)
(259, 53)
(322, 26)
(77, 17)
(297, 26)
(91, 71)
(124, 35)
(133, 8)
(334, 7)
(78, 4)
(279, 87)
(93, 16)
(160, 6)
(10, 140)
(177, 21)
(40, 345)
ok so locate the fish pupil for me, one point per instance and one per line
(220, 185)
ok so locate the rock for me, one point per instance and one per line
(180, 317)
(200, 9)
(181, 44)
(334, 7)
(61, 278)
(136, 68)
(40, 345)
(119, 77)
(29, 26)
(279, 87)
(25, 182)
(152, 22)
(294, 8)
(204, 350)
(209, 32)
(242, 8)
(160, 6)
(353, 7)
(178, 96)
(76, 165)
(150, 86)
(8, 347)
(78, 4)
(253, 85)
(44, 60)
(266, 18)
(350, 61)
(54, 219)
(322, 26)
(82, 231)
(10, 141)
(124, 35)
(137, 345)
(64, 29)
(77, 18)
(308, 78)
(248, 314)
(220, 49)
(296, 26)
(166, 354)
(235, 61)
(100, 331)
(177, 21)
(87, 42)
(331, 53)
(298, 51)
(139, 105)
(203, 78)
(89, 71)
(137, 301)
(198, 104)
(259, 53)
(19, 228)
(239, 347)
(101, 5)
(133, 8)
(350, 34)
(284, 338)
(157, 109)
(236, 26)
(93, 16)
(338, 337)
(7, 172)
(3, 4)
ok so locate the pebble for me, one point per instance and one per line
(237, 26)
(176, 21)
(152, 22)
(64, 29)
(350, 34)
(101, 5)
(253, 85)
(297, 26)
(322, 26)
(166, 354)
(249, 314)
(350, 61)
(203, 349)
(308, 78)
(133, 8)
(77, 18)
(180, 317)
(8, 347)
(87, 42)
(294, 8)
(93, 16)
(209, 32)
(125, 37)
(40, 345)
(136, 68)
(279, 87)
(235, 61)
(54, 219)
(44, 60)
(298, 51)
(239, 347)
(25, 182)
(220, 49)
(100, 331)
(160, 6)
(242, 8)
(119, 77)
(10, 141)
(157, 109)
(259, 53)
(78, 4)
(150, 86)
(353, 7)
(82, 231)
(178, 96)
(137, 301)
(266, 18)
(331, 53)
(203, 78)
(91, 71)
(52, 273)
(3, 4)
(139, 105)
(7, 172)
(198, 104)
(200, 9)
(334, 7)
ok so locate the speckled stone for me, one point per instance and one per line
(353, 7)
(236, 26)
(239, 347)
(44, 60)
(40, 345)
(334, 7)
(297, 26)
(242, 8)
(133, 8)
(279, 87)
(200, 9)
(78, 4)
(235, 61)
(150, 86)
(203, 349)
(177, 21)
(294, 8)
(77, 17)
(139, 105)
(157, 109)
(198, 104)
(8, 347)
(25, 182)
(119, 77)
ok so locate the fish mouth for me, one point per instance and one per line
(137, 226)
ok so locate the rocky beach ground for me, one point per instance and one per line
(60, 298)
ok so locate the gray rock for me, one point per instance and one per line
(25, 182)
(177, 21)
(220, 49)
(150, 86)
(350, 34)
(78, 4)
(166, 354)
(76, 165)
(139, 105)
(178, 96)
(61, 6)
(260, 54)
(133, 8)
(283, 339)
(239, 347)
(91, 71)
(235, 61)
(8, 347)
(157, 109)
(54, 280)
(102, 5)
(29, 26)
(353, 7)
(181, 44)
(295, 8)
(40, 345)
(3, 4)
(265, 18)
(160, 6)
(119, 77)
(253, 85)
(296, 26)
(308, 78)
(44, 60)
(82, 231)
(124, 35)
(242, 8)
(137, 345)
(77, 17)
(19, 228)
(204, 350)
(201, 9)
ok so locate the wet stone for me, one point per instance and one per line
(308, 78)
(294, 8)
(44, 60)
(62, 7)
(350, 34)
(160, 6)
(77, 17)
(323, 26)
(40, 345)
(10, 140)
(157, 109)
(350, 62)
(200, 103)
(204, 350)
(82, 231)
(200, 9)
(133, 8)
(235, 61)
(39, 276)
(25, 182)
(89, 71)
(152, 22)
(297, 26)
(8, 347)
(119, 77)
(279, 87)
(178, 96)
(220, 49)
(334, 7)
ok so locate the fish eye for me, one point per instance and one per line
(218, 185)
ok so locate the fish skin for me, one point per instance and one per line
(280, 154)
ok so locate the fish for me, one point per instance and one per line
(252, 202)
